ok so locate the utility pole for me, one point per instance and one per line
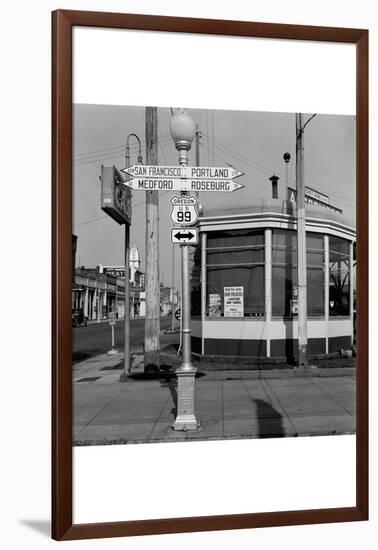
(152, 321)
(301, 244)
(173, 289)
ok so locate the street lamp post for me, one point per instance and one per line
(183, 131)
(126, 358)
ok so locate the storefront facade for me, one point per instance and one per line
(98, 294)
(244, 282)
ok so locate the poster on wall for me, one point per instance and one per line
(233, 301)
(215, 305)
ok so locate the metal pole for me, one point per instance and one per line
(126, 325)
(286, 180)
(268, 286)
(326, 287)
(203, 289)
(301, 246)
(186, 317)
(185, 419)
(126, 359)
(173, 288)
(351, 293)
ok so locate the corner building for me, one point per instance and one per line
(244, 282)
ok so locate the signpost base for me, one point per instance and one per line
(113, 351)
(185, 419)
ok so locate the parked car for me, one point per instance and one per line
(78, 317)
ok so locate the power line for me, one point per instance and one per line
(106, 216)
(240, 156)
(119, 154)
(133, 147)
(88, 153)
(78, 156)
(248, 177)
(266, 170)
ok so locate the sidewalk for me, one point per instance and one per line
(229, 403)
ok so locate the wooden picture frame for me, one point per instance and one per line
(62, 25)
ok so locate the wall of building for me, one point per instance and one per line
(258, 250)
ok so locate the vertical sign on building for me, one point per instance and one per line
(233, 301)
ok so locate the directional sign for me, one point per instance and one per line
(184, 209)
(213, 172)
(176, 184)
(189, 172)
(112, 318)
(184, 236)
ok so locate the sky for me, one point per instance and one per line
(252, 142)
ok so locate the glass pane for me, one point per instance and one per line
(244, 256)
(339, 267)
(338, 249)
(284, 289)
(315, 292)
(250, 278)
(315, 258)
(314, 241)
(284, 237)
(284, 247)
(234, 238)
(284, 256)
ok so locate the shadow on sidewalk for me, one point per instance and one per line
(171, 384)
(269, 420)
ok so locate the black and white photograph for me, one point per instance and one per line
(213, 274)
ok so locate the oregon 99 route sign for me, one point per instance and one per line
(184, 210)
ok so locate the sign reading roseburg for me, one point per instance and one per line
(183, 184)
(233, 301)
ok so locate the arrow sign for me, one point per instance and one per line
(190, 172)
(212, 172)
(176, 184)
(181, 236)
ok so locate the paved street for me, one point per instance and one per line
(229, 404)
(97, 337)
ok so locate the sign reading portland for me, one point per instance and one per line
(183, 178)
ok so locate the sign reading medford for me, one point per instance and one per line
(115, 197)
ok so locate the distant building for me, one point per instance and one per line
(134, 263)
(101, 290)
(98, 294)
(167, 296)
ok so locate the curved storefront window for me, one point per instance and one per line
(235, 273)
